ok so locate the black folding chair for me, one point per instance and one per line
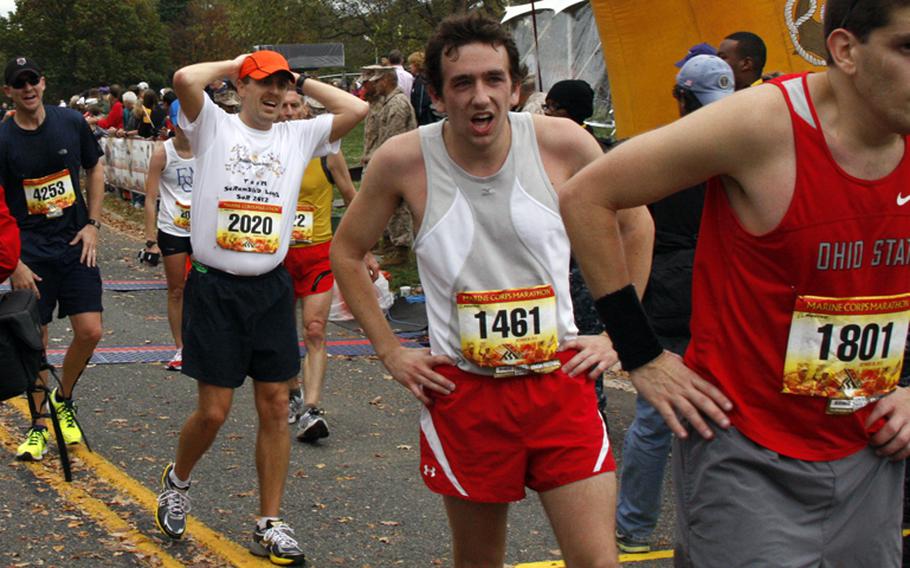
(22, 357)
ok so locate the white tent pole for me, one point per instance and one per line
(536, 46)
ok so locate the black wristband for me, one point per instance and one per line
(625, 321)
(299, 84)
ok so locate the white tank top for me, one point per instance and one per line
(175, 190)
(497, 233)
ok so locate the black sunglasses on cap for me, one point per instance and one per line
(21, 80)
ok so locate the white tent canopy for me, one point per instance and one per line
(569, 47)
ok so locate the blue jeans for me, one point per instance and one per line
(644, 457)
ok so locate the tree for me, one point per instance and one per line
(90, 43)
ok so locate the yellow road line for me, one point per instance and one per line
(117, 478)
(94, 508)
(624, 558)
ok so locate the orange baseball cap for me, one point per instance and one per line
(261, 64)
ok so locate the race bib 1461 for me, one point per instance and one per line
(511, 331)
(849, 350)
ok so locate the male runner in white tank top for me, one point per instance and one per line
(505, 383)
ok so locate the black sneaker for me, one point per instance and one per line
(276, 541)
(173, 505)
(312, 426)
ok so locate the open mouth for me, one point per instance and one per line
(481, 123)
(271, 104)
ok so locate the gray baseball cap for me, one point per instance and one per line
(708, 77)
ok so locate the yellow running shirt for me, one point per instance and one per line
(313, 222)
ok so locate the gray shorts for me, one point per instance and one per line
(739, 504)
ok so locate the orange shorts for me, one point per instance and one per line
(310, 269)
(491, 438)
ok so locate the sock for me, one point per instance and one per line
(178, 483)
(58, 396)
(262, 522)
(39, 427)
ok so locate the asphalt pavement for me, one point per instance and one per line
(355, 499)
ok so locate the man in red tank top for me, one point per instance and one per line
(801, 303)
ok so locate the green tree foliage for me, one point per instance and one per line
(85, 43)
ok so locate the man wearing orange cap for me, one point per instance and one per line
(238, 317)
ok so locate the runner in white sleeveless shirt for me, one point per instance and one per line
(169, 185)
(506, 381)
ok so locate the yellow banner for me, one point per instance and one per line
(642, 40)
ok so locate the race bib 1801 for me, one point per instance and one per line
(512, 331)
(49, 195)
(849, 350)
(249, 227)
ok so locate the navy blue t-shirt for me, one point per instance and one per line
(64, 141)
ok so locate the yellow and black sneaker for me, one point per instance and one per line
(66, 414)
(276, 541)
(35, 445)
(173, 505)
(628, 545)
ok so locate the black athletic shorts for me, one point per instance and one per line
(170, 244)
(239, 326)
(67, 284)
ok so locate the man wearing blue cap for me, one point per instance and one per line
(702, 80)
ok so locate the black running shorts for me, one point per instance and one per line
(67, 283)
(236, 326)
(170, 244)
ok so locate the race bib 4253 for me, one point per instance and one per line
(849, 350)
(512, 331)
(249, 227)
(49, 195)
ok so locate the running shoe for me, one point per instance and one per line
(276, 541)
(296, 406)
(66, 415)
(173, 505)
(630, 546)
(312, 425)
(176, 362)
(35, 445)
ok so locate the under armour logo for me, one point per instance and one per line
(62, 151)
(429, 471)
(20, 61)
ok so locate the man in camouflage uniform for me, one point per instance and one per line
(390, 114)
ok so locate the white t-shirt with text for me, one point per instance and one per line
(245, 186)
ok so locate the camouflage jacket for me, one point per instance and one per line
(389, 115)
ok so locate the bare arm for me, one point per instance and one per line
(362, 225)
(348, 109)
(190, 82)
(88, 235)
(156, 166)
(724, 138)
(338, 166)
